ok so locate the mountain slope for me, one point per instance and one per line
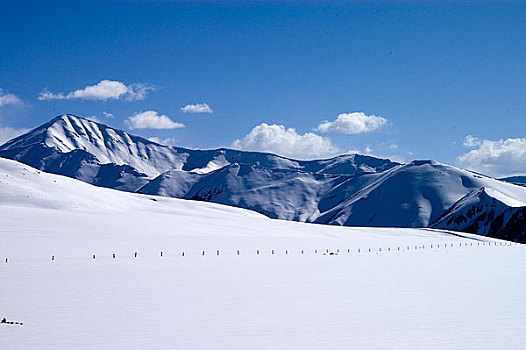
(414, 195)
(97, 154)
(488, 212)
(348, 190)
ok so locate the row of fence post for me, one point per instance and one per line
(337, 251)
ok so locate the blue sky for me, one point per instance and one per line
(406, 80)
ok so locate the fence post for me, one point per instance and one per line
(183, 254)
(217, 252)
(161, 253)
(272, 251)
(93, 256)
(52, 257)
(113, 255)
(203, 253)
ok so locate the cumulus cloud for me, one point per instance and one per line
(152, 120)
(352, 123)
(104, 90)
(286, 142)
(8, 99)
(108, 115)
(505, 157)
(169, 141)
(7, 133)
(471, 141)
(197, 108)
(393, 146)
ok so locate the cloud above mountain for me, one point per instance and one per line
(504, 157)
(286, 142)
(152, 120)
(8, 99)
(352, 123)
(102, 91)
(7, 133)
(197, 108)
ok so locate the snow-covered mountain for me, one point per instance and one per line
(488, 212)
(517, 180)
(349, 190)
(97, 154)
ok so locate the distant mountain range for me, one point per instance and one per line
(351, 190)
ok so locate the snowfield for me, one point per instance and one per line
(442, 289)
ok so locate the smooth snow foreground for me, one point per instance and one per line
(465, 292)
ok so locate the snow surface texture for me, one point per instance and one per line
(349, 190)
(465, 292)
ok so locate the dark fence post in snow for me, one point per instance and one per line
(257, 252)
(217, 252)
(183, 254)
(272, 251)
(135, 254)
(6, 260)
(315, 251)
(203, 253)
(93, 256)
(286, 252)
(161, 253)
(238, 252)
(52, 257)
(113, 255)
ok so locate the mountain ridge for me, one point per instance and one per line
(349, 190)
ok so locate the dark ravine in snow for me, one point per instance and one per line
(351, 190)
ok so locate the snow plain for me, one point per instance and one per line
(464, 293)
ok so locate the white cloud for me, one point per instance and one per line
(152, 120)
(197, 108)
(504, 157)
(169, 141)
(393, 146)
(108, 115)
(104, 90)
(286, 142)
(352, 123)
(471, 141)
(94, 118)
(8, 99)
(7, 133)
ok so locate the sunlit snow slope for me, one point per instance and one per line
(349, 190)
(69, 273)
